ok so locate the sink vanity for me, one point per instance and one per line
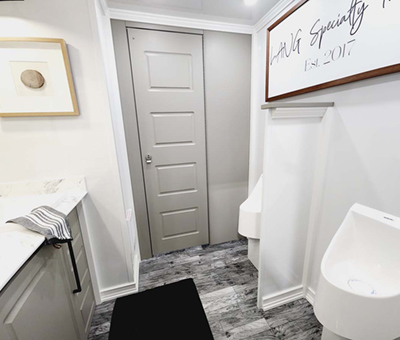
(36, 280)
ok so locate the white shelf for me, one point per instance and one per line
(297, 110)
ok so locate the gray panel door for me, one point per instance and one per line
(169, 89)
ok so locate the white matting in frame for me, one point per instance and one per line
(47, 57)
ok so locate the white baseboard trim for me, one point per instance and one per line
(125, 289)
(310, 296)
(281, 298)
(136, 262)
(118, 291)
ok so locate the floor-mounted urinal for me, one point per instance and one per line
(358, 295)
(250, 221)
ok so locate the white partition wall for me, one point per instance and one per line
(292, 139)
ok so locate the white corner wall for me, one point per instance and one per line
(56, 147)
(291, 146)
(362, 158)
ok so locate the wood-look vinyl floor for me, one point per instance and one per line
(227, 284)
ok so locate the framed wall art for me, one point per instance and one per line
(36, 78)
(323, 43)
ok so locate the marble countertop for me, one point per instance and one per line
(17, 244)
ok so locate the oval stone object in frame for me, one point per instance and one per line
(32, 78)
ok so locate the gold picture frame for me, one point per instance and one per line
(60, 99)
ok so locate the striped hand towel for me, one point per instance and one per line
(47, 221)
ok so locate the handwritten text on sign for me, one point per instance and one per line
(326, 40)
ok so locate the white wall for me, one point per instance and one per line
(54, 147)
(289, 163)
(363, 161)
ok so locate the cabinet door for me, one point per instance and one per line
(83, 302)
(43, 311)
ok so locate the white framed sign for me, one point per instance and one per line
(324, 43)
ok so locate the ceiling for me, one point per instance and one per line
(231, 11)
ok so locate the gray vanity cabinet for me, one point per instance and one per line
(38, 303)
(83, 302)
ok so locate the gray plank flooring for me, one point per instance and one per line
(227, 284)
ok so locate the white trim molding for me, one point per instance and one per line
(317, 199)
(282, 298)
(150, 18)
(104, 7)
(293, 113)
(279, 105)
(125, 289)
(118, 291)
(310, 296)
(280, 8)
(107, 64)
(297, 110)
(89, 251)
(254, 111)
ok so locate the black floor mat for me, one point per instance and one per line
(173, 311)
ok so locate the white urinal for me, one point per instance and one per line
(358, 295)
(250, 221)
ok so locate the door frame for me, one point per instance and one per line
(129, 112)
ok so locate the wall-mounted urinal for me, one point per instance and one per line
(250, 221)
(358, 295)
